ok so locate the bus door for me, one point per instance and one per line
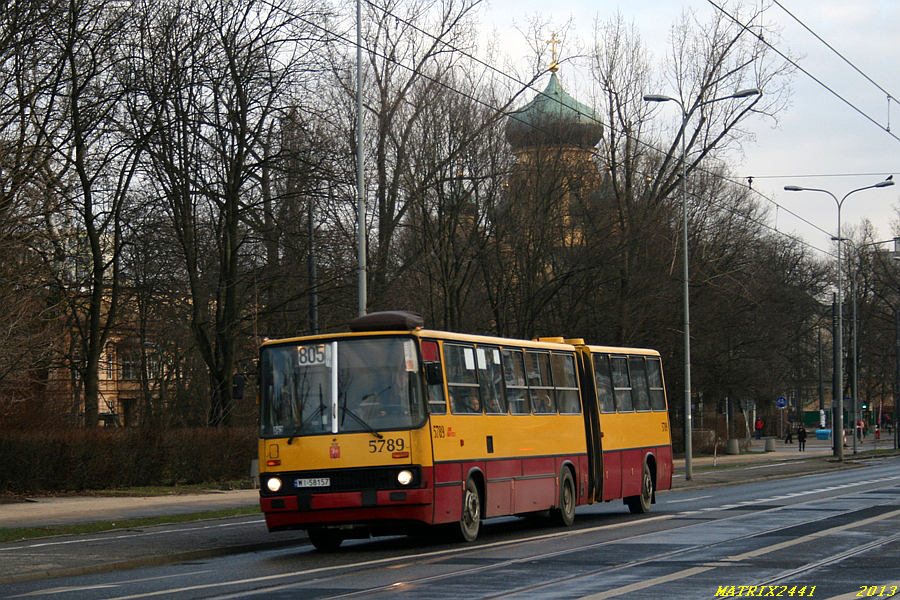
(609, 427)
(591, 426)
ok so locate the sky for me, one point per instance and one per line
(821, 141)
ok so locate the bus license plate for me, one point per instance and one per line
(312, 482)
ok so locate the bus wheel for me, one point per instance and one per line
(641, 504)
(470, 523)
(565, 514)
(324, 539)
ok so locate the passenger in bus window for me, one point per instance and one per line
(465, 400)
(473, 404)
(541, 402)
(493, 405)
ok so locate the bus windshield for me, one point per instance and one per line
(343, 386)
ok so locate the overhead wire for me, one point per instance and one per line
(804, 71)
(830, 47)
(529, 85)
(823, 175)
(890, 96)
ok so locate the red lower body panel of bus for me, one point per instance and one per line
(510, 486)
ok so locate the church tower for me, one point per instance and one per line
(553, 138)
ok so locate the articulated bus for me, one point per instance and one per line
(391, 428)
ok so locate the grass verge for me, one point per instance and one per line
(25, 533)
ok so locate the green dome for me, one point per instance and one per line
(554, 118)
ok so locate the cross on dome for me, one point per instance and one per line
(553, 41)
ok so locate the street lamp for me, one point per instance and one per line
(362, 292)
(685, 116)
(838, 425)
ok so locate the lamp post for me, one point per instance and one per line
(685, 116)
(838, 425)
(362, 299)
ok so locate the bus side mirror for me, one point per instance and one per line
(433, 374)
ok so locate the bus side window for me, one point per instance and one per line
(514, 379)
(641, 390)
(604, 383)
(657, 391)
(490, 380)
(434, 377)
(540, 383)
(566, 383)
(462, 382)
(437, 404)
(621, 384)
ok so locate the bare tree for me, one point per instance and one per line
(404, 62)
(96, 167)
(218, 74)
(459, 148)
(29, 327)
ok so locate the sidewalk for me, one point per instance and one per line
(74, 510)
(785, 461)
(756, 453)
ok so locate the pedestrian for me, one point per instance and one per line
(759, 427)
(790, 435)
(801, 438)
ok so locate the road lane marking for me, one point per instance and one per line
(686, 499)
(642, 585)
(105, 537)
(382, 561)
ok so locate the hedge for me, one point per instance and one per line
(79, 460)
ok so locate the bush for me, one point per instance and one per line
(93, 459)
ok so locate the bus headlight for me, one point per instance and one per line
(404, 477)
(274, 484)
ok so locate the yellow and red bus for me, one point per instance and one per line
(391, 428)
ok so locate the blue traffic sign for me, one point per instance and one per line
(781, 402)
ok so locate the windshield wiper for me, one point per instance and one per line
(302, 427)
(317, 413)
(361, 422)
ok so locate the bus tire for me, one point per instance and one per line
(470, 522)
(564, 515)
(641, 504)
(324, 539)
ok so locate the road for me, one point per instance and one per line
(829, 535)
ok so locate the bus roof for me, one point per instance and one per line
(426, 333)
(473, 338)
(620, 350)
